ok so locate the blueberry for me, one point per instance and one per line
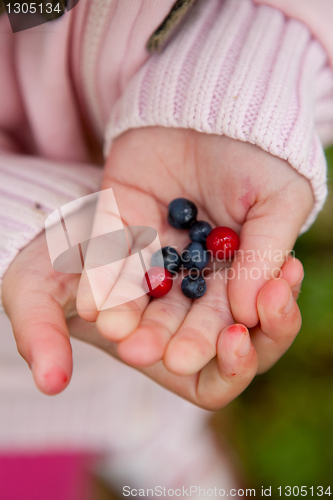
(193, 286)
(195, 256)
(199, 231)
(169, 257)
(182, 213)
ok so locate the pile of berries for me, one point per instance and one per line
(221, 242)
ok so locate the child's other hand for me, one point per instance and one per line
(37, 300)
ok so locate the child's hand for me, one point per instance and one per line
(233, 183)
(37, 299)
(147, 169)
(237, 360)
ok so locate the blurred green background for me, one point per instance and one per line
(281, 426)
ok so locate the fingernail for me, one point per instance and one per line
(244, 346)
(289, 305)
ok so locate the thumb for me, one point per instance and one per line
(34, 296)
(42, 339)
(266, 239)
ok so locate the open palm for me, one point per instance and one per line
(193, 347)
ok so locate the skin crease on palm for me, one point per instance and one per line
(192, 348)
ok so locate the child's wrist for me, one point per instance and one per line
(242, 71)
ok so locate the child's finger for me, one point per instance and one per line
(42, 337)
(94, 288)
(123, 308)
(271, 345)
(160, 321)
(216, 385)
(266, 237)
(292, 271)
(222, 379)
(194, 345)
(117, 323)
(108, 238)
(230, 372)
(85, 302)
(280, 322)
(36, 299)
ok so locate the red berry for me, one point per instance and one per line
(223, 242)
(157, 281)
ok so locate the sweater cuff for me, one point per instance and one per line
(30, 190)
(240, 70)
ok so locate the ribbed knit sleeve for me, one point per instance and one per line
(245, 71)
(32, 188)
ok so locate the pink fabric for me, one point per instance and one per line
(64, 87)
(32, 188)
(317, 15)
(144, 434)
(244, 71)
(41, 476)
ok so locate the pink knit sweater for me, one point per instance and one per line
(254, 72)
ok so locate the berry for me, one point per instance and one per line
(157, 282)
(199, 231)
(193, 286)
(170, 258)
(223, 242)
(182, 213)
(194, 256)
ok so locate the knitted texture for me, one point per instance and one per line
(244, 71)
(316, 14)
(28, 195)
